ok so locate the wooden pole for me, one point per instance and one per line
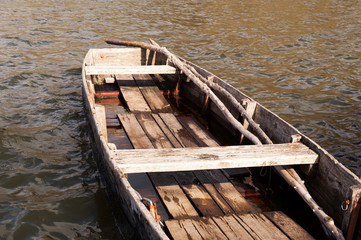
(290, 175)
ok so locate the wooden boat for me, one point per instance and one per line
(173, 158)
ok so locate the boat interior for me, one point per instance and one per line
(161, 109)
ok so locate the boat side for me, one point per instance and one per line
(117, 183)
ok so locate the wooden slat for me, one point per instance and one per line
(197, 228)
(208, 229)
(209, 185)
(152, 94)
(197, 132)
(135, 133)
(226, 189)
(155, 99)
(144, 80)
(259, 227)
(167, 131)
(198, 195)
(125, 80)
(288, 226)
(134, 99)
(154, 133)
(172, 195)
(185, 159)
(183, 229)
(231, 227)
(151, 69)
(178, 131)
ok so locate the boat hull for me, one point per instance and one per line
(340, 187)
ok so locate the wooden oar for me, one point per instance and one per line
(290, 175)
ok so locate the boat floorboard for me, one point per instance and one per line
(201, 204)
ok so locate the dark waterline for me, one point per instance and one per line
(300, 59)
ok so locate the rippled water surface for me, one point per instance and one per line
(301, 59)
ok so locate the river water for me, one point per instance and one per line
(301, 59)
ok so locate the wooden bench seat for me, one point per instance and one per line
(144, 69)
(186, 159)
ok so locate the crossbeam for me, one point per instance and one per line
(187, 159)
(146, 69)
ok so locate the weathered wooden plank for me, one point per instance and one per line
(178, 131)
(101, 120)
(144, 80)
(208, 229)
(151, 93)
(196, 228)
(172, 195)
(197, 132)
(134, 99)
(155, 99)
(166, 131)
(287, 225)
(145, 69)
(184, 159)
(226, 189)
(208, 184)
(154, 133)
(260, 227)
(135, 133)
(125, 80)
(231, 227)
(198, 195)
(183, 229)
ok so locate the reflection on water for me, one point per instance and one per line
(301, 59)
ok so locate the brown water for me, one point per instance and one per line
(299, 58)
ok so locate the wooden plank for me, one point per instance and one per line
(155, 99)
(231, 227)
(154, 133)
(260, 227)
(144, 80)
(208, 229)
(101, 120)
(166, 131)
(226, 189)
(198, 195)
(172, 195)
(134, 99)
(178, 131)
(144, 69)
(197, 228)
(198, 133)
(208, 184)
(183, 229)
(287, 225)
(135, 133)
(125, 80)
(185, 159)
(152, 94)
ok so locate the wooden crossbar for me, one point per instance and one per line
(149, 69)
(186, 159)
